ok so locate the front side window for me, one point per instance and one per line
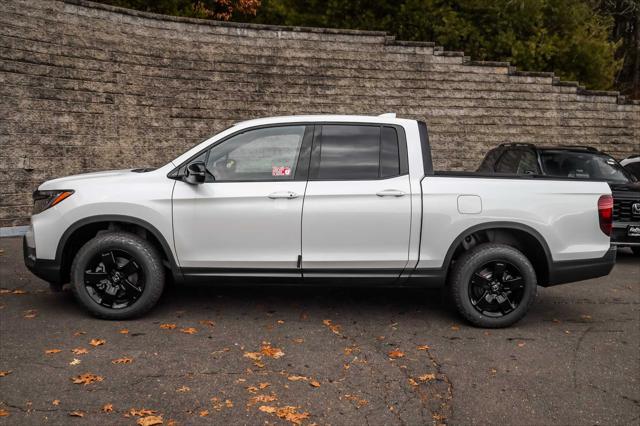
(356, 152)
(267, 154)
(528, 164)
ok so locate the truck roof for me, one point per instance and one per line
(389, 118)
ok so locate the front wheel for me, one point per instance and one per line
(493, 285)
(117, 275)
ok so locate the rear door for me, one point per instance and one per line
(357, 207)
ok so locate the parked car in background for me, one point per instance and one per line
(580, 163)
(375, 213)
(632, 165)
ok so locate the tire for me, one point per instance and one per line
(636, 250)
(104, 257)
(478, 271)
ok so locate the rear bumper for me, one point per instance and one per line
(48, 270)
(583, 269)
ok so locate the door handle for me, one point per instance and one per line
(390, 193)
(283, 194)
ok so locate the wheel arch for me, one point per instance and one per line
(84, 229)
(522, 237)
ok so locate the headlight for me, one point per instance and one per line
(43, 200)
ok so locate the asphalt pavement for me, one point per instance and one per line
(329, 356)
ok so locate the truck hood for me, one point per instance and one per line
(69, 181)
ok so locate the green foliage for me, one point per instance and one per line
(568, 37)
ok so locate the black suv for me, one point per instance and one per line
(579, 163)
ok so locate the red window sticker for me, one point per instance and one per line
(280, 171)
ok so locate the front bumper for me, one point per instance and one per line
(584, 269)
(48, 270)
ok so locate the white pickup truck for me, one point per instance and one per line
(336, 200)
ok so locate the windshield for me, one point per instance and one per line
(583, 165)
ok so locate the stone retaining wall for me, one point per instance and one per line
(88, 87)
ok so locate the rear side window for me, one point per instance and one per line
(355, 152)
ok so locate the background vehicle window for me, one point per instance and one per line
(528, 164)
(489, 161)
(634, 168)
(509, 161)
(349, 152)
(583, 165)
(260, 154)
(389, 153)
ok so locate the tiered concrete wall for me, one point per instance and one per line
(89, 87)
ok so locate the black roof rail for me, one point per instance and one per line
(518, 144)
(585, 147)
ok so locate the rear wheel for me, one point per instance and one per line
(117, 276)
(493, 285)
(636, 250)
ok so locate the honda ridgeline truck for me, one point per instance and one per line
(318, 200)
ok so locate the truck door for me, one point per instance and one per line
(245, 219)
(357, 206)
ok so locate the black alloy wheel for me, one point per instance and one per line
(496, 288)
(114, 279)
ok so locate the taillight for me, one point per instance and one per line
(605, 213)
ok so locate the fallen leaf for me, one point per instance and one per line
(264, 385)
(297, 378)
(412, 382)
(97, 342)
(79, 333)
(75, 361)
(268, 350)
(204, 413)
(5, 373)
(494, 371)
(76, 413)
(556, 321)
(521, 344)
(123, 331)
(150, 421)
(256, 356)
(3, 412)
(423, 348)
(55, 402)
(183, 389)
(86, 379)
(188, 330)
(396, 354)
(287, 412)
(4, 291)
(167, 326)
(427, 377)
(261, 398)
(298, 340)
(455, 327)
(124, 360)
(358, 401)
(331, 326)
(280, 321)
(208, 323)
(19, 291)
(172, 422)
(585, 317)
(218, 405)
(107, 408)
(142, 412)
(79, 351)
(30, 314)
(252, 389)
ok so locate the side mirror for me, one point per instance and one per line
(195, 173)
